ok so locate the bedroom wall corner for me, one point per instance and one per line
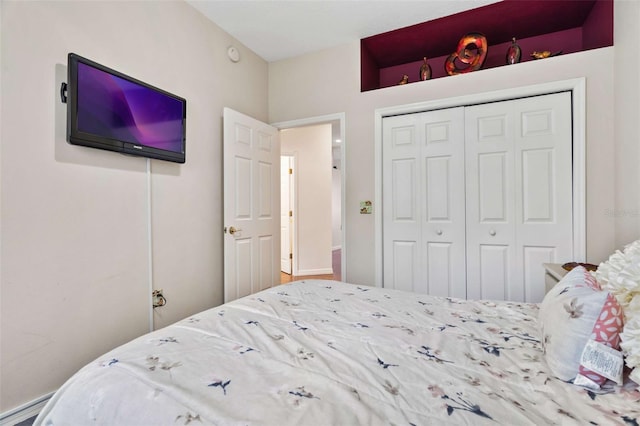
(73, 253)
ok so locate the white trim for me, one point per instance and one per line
(24, 411)
(306, 272)
(577, 87)
(319, 120)
(334, 248)
(294, 208)
(291, 157)
(579, 91)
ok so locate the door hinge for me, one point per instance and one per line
(290, 213)
(290, 171)
(290, 255)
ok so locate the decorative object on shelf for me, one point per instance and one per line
(472, 50)
(513, 53)
(425, 70)
(405, 79)
(588, 266)
(544, 54)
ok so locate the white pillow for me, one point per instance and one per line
(573, 312)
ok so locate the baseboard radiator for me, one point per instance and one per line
(24, 412)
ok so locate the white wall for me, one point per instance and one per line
(626, 211)
(331, 78)
(73, 263)
(311, 146)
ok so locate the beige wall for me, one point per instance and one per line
(74, 273)
(311, 147)
(331, 79)
(626, 211)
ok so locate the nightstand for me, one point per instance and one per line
(553, 272)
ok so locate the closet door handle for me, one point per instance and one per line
(492, 232)
(439, 232)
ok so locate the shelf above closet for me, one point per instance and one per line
(537, 25)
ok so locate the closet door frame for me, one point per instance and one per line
(577, 87)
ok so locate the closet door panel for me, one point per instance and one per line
(405, 265)
(438, 183)
(401, 205)
(423, 195)
(490, 192)
(440, 269)
(494, 260)
(492, 187)
(533, 137)
(538, 200)
(404, 191)
(544, 202)
(443, 228)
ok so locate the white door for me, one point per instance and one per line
(251, 205)
(424, 202)
(519, 195)
(401, 200)
(286, 214)
(476, 199)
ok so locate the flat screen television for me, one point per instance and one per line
(109, 110)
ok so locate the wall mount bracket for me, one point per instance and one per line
(63, 93)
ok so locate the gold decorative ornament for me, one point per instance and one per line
(472, 50)
(544, 54)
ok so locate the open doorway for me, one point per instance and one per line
(315, 214)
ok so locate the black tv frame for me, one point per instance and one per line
(76, 137)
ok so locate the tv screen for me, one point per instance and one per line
(109, 110)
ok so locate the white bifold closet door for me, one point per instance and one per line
(477, 198)
(424, 202)
(519, 195)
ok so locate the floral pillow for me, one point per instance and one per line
(620, 275)
(573, 313)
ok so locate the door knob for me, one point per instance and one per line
(233, 230)
(492, 232)
(439, 232)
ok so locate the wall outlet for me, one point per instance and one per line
(158, 298)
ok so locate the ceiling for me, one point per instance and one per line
(277, 29)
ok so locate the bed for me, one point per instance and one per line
(320, 352)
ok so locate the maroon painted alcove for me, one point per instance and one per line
(556, 25)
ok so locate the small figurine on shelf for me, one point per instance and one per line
(405, 79)
(425, 70)
(544, 54)
(513, 53)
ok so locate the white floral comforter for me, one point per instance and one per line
(330, 353)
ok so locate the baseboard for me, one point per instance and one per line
(305, 272)
(24, 411)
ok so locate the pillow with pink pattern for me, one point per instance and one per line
(572, 313)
